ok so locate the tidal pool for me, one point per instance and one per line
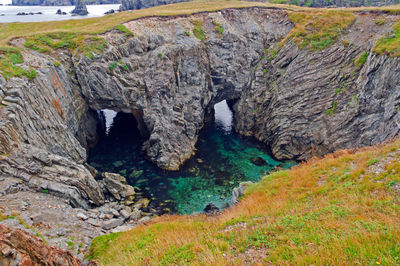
(223, 160)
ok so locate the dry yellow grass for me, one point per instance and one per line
(339, 210)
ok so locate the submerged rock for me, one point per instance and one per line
(258, 161)
(211, 209)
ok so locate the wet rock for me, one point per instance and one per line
(211, 209)
(258, 161)
(141, 203)
(111, 11)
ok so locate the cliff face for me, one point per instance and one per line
(170, 74)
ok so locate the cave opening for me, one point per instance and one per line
(223, 159)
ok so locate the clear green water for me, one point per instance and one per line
(221, 162)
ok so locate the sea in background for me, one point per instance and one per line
(9, 13)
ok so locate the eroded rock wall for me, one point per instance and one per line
(41, 122)
(299, 102)
(173, 77)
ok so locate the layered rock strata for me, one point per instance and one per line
(171, 72)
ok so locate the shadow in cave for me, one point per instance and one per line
(223, 159)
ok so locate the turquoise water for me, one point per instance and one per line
(222, 161)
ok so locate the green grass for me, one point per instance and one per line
(330, 211)
(360, 61)
(318, 29)
(113, 65)
(10, 59)
(218, 28)
(124, 29)
(198, 30)
(389, 45)
(333, 109)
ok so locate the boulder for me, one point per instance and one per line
(117, 186)
(80, 8)
(211, 209)
(258, 161)
(112, 223)
(239, 191)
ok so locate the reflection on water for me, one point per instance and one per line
(223, 160)
(9, 13)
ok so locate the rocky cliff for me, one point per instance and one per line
(169, 74)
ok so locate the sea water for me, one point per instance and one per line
(221, 162)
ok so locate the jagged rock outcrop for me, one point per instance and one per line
(80, 8)
(18, 247)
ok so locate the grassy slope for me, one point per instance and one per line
(101, 24)
(342, 209)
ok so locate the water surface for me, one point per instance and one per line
(222, 161)
(9, 13)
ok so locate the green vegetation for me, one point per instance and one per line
(113, 65)
(187, 33)
(332, 211)
(124, 29)
(56, 63)
(198, 31)
(71, 244)
(332, 110)
(217, 27)
(380, 22)
(360, 61)
(160, 55)
(76, 43)
(389, 45)
(372, 161)
(318, 29)
(10, 58)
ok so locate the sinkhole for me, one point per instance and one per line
(223, 159)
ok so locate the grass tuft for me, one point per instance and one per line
(317, 30)
(390, 44)
(198, 30)
(360, 61)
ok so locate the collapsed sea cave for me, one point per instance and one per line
(222, 160)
